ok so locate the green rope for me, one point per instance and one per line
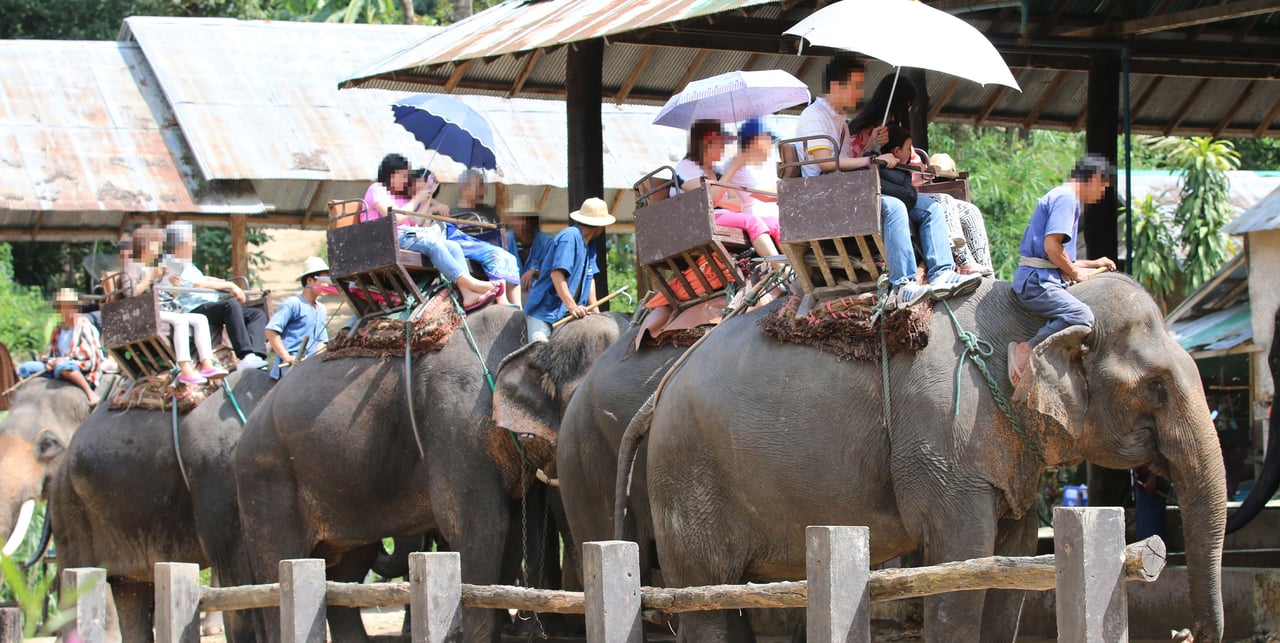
(976, 349)
(235, 404)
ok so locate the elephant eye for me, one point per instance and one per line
(1156, 392)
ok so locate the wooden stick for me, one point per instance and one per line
(568, 318)
(24, 381)
(437, 217)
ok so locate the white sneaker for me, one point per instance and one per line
(953, 284)
(906, 295)
(250, 361)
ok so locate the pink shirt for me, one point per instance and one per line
(379, 192)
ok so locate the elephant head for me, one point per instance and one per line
(535, 383)
(33, 438)
(1124, 394)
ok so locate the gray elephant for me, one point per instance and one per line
(741, 457)
(33, 440)
(119, 500)
(330, 465)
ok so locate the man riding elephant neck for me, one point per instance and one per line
(565, 281)
(301, 318)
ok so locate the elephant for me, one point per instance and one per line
(120, 500)
(751, 440)
(330, 465)
(43, 416)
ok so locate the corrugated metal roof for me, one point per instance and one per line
(1264, 215)
(1219, 330)
(302, 142)
(1221, 77)
(83, 145)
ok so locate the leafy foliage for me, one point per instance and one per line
(27, 318)
(1258, 153)
(1010, 170)
(1205, 206)
(213, 251)
(32, 589)
(622, 268)
(1155, 248)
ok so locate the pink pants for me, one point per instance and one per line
(754, 224)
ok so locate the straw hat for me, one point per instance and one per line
(66, 296)
(594, 212)
(945, 164)
(522, 206)
(312, 266)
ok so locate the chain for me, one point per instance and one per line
(976, 349)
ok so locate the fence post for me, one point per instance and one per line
(177, 603)
(838, 568)
(89, 586)
(1088, 544)
(302, 600)
(10, 625)
(435, 596)
(611, 590)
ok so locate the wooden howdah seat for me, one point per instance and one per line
(830, 223)
(368, 266)
(684, 254)
(134, 336)
(957, 187)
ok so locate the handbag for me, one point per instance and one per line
(897, 183)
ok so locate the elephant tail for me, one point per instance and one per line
(636, 432)
(46, 533)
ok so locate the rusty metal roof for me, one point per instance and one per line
(1198, 66)
(1263, 215)
(84, 147)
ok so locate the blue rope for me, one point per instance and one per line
(976, 349)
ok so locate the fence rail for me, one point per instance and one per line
(1089, 546)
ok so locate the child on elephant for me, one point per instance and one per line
(75, 348)
(1048, 263)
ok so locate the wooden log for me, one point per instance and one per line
(243, 597)
(611, 585)
(239, 225)
(838, 568)
(89, 587)
(435, 581)
(177, 603)
(1088, 545)
(302, 601)
(10, 625)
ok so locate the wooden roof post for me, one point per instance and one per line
(584, 69)
(239, 245)
(1100, 222)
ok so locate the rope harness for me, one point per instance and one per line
(976, 349)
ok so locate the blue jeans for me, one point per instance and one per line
(934, 238)
(536, 328)
(27, 369)
(445, 255)
(1045, 295)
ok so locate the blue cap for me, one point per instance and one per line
(752, 128)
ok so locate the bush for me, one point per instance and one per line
(28, 319)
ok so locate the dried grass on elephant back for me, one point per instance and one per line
(842, 327)
(385, 337)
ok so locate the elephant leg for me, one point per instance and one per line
(702, 560)
(273, 532)
(345, 623)
(1003, 608)
(476, 528)
(135, 609)
(966, 531)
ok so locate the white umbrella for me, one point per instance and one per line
(733, 96)
(877, 28)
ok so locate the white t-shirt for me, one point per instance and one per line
(686, 170)
(820, 118)
(759, 177)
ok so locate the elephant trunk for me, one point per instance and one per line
(1268, 481)
(1195, 465)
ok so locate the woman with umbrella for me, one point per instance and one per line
(396, 188)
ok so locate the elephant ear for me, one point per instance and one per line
(1052, 394)
(524, 402)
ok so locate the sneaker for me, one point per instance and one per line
(213, 372)
(906, 295)
(252, 360)
(192, 379)
(953, 284)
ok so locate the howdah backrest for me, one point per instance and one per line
(654, 187)
(957, 187)
(344, 212)
(362, 247)
(134, 336)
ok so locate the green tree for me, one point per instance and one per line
(27, 319)
(1205, 208)
(622, 269)
(213, 252)
(1258, 153)
(1154, 259)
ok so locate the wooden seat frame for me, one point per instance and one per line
(830, 223)
(371, 270)
(134, 336)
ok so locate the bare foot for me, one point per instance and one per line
(93, 398)
(1021, 355)
(470, 299)
(467, 283)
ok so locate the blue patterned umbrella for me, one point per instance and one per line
(448, 127)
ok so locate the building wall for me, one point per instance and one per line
(1264, 299)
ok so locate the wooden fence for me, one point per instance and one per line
(1090, 566)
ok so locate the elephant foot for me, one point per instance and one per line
(211, 624)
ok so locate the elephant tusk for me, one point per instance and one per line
(20, 528)
(545, 479)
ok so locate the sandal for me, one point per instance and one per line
(489, 298)
(1014, 373)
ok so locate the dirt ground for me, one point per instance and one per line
(285, 252)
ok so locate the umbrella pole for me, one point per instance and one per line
(897, 72)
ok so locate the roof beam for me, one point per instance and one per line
(1136, 108)
(990, 106)
(459, 70)
(1045, 97)
(941, 102)
(1235, 107)
(313, 202)
(523, 76)
(634, 76)
(1186, 106)
(1265, 123)
(694, 66)
(1179, 20)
